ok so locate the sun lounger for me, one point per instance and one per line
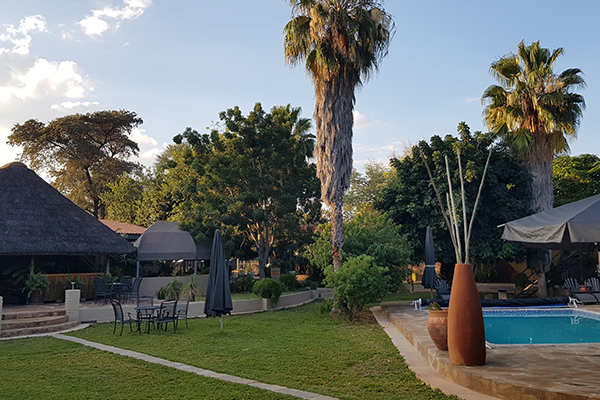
(572, 285)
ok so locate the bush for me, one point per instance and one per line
(173, 289)
(192, 289)
(289, 281)
(242, 284)
(359, 282)
(268, 288)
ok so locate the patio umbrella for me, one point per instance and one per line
(218, 295)
(429, 276)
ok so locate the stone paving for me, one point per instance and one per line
(516, 372)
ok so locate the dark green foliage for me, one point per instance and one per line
(368, 233)
(575, 178)
(411, 201)
(251, 179)
(35, 282)
(242, 284)
(289, 281)
(359, 282)
(268, 288)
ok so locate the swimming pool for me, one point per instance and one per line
(538, 326)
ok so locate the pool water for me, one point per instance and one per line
(541, 326)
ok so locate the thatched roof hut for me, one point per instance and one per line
(35, 219)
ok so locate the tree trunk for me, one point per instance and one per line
(334, 120)
(337, 233)
(539, 165)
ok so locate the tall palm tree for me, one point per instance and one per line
(342, 43)
(536, 111)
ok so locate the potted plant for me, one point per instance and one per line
(466, 331)
(437, 325)
(35, 285)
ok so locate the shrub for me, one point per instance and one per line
(192, 289)
(289, 281)
(359, 282)
(173, 289)
(242, 284)
(268, 288)
(162, 293)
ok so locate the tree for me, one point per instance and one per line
(254, 178)
(365, 188)
(84, 153)
(342, 43)
(575, 178)
(536, 110)
(411, 202)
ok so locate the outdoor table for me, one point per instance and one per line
(146, 313)
(502, 291)
(115, 287)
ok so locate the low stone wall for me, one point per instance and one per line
(104, 313)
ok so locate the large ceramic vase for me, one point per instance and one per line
(437, 326)
(466, 332)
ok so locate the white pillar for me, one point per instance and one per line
(72, 297)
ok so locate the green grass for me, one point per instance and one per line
(48, 368)
(297, 348)
(407, 296)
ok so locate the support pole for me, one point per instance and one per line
(137, 269)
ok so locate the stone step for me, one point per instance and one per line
(25, 314)
(37, 330)
(23, 323)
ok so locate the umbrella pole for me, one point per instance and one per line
(221, 323)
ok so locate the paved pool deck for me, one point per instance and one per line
(516, 372)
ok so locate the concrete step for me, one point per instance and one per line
(37, 329)
(36, 313)
(23, 323)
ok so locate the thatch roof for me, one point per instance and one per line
(35, 219)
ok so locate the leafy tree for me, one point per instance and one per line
(253, 177)
(575, 178)
(411, 201)
(342, 43)
(369, 233)
(84, 153)
(364, 188)
(536, 110)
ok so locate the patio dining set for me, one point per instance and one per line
(125, 289)
(146, 312)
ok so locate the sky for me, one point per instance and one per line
(178, 63)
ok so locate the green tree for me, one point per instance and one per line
(536, 110)
(411, 202)
(575, 178)
(369, 233)
(365, 188)
(254, 178)
(342, 43)
(84, 153)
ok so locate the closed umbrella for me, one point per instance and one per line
(429, 276)
(218, 295)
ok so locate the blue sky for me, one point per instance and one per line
(178, 63)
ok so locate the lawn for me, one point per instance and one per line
(297, 348)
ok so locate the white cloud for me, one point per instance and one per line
(472, 99)
(42, 79)
(69, 105)
(138, 136)
(362, 121)
(20, 36)
(110, 17)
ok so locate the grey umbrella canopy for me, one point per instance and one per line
(574, 226)
(218, 295)
(429, 276)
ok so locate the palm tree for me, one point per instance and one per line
(536, 111)
(342, 43)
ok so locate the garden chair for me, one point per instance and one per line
(126, 290)
(593, 284)
(182, 312)
(572, 285)
(121, 319)
(167, 313)
(442, 289)
(100, 290)
(145, 315)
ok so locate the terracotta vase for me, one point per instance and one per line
(437, 326)
(466, 332)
